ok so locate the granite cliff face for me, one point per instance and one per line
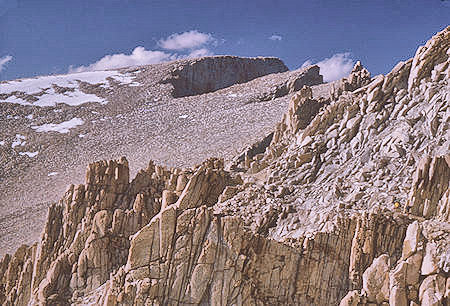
(210, 74)
(51, 127)
(346, 202)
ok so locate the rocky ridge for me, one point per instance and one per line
(47, 145)
(346, 202)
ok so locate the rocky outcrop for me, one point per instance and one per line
(124, 111)
(294, 82)
(420, 275)
(346, 202)
(213, 260)
(358, 77)
(429, 196)
(362, 149)
(431, 60)
(87, 233)
(207, 74)
(418, 278)
(301, 111)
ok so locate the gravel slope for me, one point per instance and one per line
(141, 122)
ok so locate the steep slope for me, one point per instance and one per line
(51, 127)
(346, 202)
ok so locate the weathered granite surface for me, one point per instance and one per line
(348, 203)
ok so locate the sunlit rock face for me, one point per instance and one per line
(51, 127)
(345, 201)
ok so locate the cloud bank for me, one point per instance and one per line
(3, 60)
(276, 37)
(139, 56)
(191, 44)
(186, 40)
(335, 67)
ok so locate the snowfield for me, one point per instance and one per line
(54, 89)
(63, 127)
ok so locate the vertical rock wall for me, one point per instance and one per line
(212, 73)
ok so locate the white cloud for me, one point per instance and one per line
(4, 60)
(192, 42)
(186, 40)
(275, 37)
(307, 63)
(139, 56)
(200, 53)
(333, 68)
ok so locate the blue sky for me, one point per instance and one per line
(47, 37)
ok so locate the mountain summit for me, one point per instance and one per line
(341, 198)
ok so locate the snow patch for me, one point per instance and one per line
(81, 135)
(15, 100)
(44, 88)
(70, 98)
(18, 141)
(2, 143)
(62, 127)
(29, 154)
(52, 173)
(183, 116)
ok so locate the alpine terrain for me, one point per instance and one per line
(257, 185)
